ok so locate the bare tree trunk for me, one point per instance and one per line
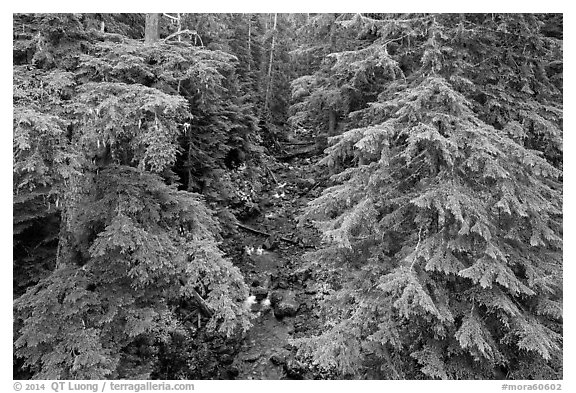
(249, 40)
(270, 64)
(331, 122)
(152, 30)
(179, 22)
(332, 39)
(65, 250)
(72, 236)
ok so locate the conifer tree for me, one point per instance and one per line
(443, 226)
(340, 78)
(97, 123)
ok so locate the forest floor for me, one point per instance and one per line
(280, 273)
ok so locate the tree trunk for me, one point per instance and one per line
(73, 238)
(179, 23)
(65, 251)
(331, 122)
(270, 64)
(249, 40)
(152, 30)
(332, 38)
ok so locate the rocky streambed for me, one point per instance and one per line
(281, 282)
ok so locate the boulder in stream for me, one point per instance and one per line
(275, 297)
(300, 276)
(226, 359)
(232, 372)
(294, 369)
(285, 308)
(251, 357)
(260, 293)
(279, 357)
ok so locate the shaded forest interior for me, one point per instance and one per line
(287, 196)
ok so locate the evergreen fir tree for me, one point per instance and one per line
(96, 133)
(445, 229)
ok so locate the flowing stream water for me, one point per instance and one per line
(266, 352)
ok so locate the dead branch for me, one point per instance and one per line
(201, 302)
(187, 31)
(299, 143)
(171, 17)
(313, 187)
(271, 174)
(256, 231)
(300, 152)
(205, 308)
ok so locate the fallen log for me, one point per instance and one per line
(256, 231)
(300, 152)
(299, 143)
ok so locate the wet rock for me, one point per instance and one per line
(226, 359)
(310, 182)
(271, 243)
(294, 369)
(306, 183)
(232, 372)
(305, 305)
(276, 297)
(299, 326)
(260, 293)
(251, 357)
(224, 350)
(301, 275)
(285, 309)
(282, 284)
(310, 289)
(279, 358)
(252, 210)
